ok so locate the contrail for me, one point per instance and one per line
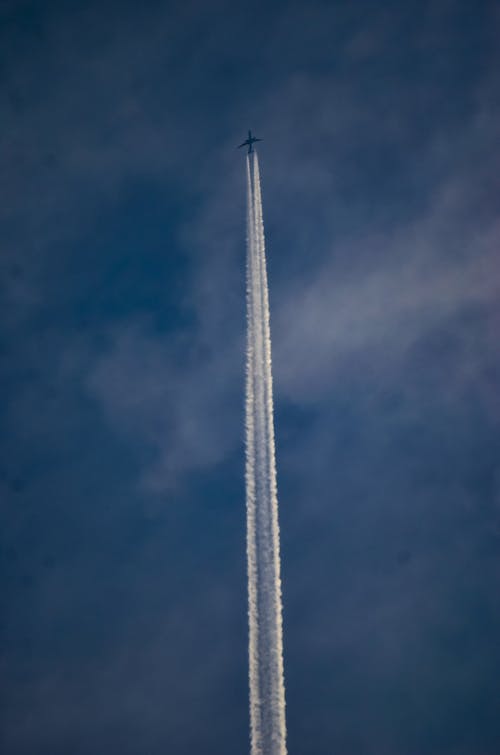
(267, 689)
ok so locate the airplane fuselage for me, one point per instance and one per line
(249, 142)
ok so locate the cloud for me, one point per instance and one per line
(371, 306)
(176, 406)
(422, 277)
(122, 471)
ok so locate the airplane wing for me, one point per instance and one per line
(242, 145)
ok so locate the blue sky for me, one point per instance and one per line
(122, 540)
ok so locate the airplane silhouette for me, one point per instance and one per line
(251, 139)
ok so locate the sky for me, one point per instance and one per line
(123, 625)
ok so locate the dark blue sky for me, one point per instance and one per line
(122, 533)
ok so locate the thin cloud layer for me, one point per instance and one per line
(122, 546)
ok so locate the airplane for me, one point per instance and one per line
(251, 139)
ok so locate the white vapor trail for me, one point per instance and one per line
(266, 678)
